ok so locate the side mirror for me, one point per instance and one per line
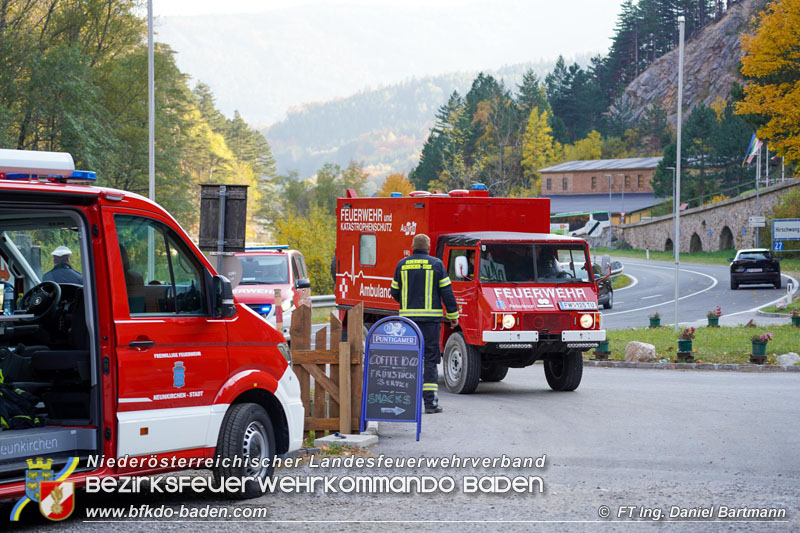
(462, 270)
(224, 306)
(730, 259)
(303, 284)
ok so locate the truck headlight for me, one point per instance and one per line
(587, 321)
(509, 321)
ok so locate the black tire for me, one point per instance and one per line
(461, 365)
(564, 372)
(610, 301)
(778, 284)
(246, 432)
(493, 372)
(734, 285)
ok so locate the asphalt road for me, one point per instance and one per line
(643, 438)
(701, 287)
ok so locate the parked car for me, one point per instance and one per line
(605, 293)
(755, 265)
(266, 268)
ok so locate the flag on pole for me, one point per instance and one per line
(752, 149)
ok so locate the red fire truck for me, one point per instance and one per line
(125, 341)
(523, 294)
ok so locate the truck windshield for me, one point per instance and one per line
(264, 269)
(533, 263)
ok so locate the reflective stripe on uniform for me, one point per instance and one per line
(395, 285)
(404, 277)
(421, 312)
(430, 386)
(429, 289)
(452, 316)
(444, 282)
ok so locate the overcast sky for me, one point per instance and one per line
(591, 22)
(304, 51)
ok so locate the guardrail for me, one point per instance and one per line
(325, 300)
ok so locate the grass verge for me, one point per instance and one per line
(621, 281)
(711, 345)
(321, 315)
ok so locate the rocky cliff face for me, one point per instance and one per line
(711, 66)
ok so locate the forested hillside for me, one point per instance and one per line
(74, 79)
(501, 136)
(384, 128)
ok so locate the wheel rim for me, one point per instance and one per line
(556, 367)
(255, 446)
(610, 299)
(455, 365)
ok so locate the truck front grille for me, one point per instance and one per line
(547, 321)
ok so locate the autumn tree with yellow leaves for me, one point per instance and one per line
(771, 60)
(395, 183)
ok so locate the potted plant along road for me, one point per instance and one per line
(685, 345)
(655, 320)
(759, 353)
(713, 317)
(796, 318)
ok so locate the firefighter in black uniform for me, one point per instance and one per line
(420, 286)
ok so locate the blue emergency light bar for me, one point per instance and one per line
(272, 247)
(478, 187)
(81, 175)
(396, 195)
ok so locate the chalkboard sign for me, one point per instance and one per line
(393, 373)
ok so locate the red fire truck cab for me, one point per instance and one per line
(523, 294)
(125, 341)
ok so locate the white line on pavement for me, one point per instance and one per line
(632, 285)
(714, 283)
(648, 297)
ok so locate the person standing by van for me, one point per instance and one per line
(420, 286)
(62, 271)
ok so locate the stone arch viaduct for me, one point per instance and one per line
(719, 226)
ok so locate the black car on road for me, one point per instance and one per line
(755, 265)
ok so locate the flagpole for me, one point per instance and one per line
(766, 165)
(677, 242)
(758, 179)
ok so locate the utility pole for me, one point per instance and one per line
(609, 212)
(677, 246)
(151, 137)
(758, 179)
(622, 209)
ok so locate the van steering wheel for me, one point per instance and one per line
(41, 299)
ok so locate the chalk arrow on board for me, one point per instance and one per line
(395, 410)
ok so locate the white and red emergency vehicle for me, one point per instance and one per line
(266, 269)
(144, 354)
(523, 294)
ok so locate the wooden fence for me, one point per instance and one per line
(330, 378)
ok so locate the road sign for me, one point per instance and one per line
(393, 373)
(786, 229)
(757, 222)
(777, 246)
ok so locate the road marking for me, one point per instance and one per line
(648, 297)
(632, 285)
(714, 284)
(773, 302)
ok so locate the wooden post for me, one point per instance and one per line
(278, 311)
(336, 338)
(355, 338)
(344, 388)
